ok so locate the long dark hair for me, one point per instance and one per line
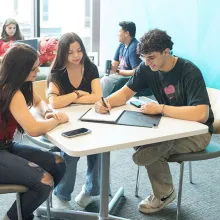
(59, 64)
(17, 35)
(16, 65)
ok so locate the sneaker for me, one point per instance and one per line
(83, 199)
(153, 204)
(58, 203)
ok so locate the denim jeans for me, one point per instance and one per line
(27, 166)
(66, 185)
(108, 84)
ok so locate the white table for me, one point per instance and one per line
(101, 140)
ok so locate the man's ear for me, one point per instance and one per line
(167, 51)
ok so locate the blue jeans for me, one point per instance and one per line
(112, 83)
(27, 166)
(66, 185)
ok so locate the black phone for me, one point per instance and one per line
(136, 103)
(76, 132)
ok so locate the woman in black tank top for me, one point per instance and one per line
(74, 79)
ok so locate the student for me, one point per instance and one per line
(21, 164)
(10, 33)
(74, 79)
(180, 90)
(125, 60)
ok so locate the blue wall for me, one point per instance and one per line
(193, 24)
(195, 29)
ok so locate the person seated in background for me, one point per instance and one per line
(21, 164)
(74, 79)
(180, 90)
(10, 33)
(125, 60)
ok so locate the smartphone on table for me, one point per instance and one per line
(136, 103)
(76, 132)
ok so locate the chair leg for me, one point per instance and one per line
(109, 187)
(48, 208)
(137, 182)
(190, 172)
(50, 199)
(18, 203)
(180, 191)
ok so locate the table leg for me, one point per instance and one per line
(104, 199)
(105, 208)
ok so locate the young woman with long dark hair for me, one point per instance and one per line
(74, 79)
(20, 164)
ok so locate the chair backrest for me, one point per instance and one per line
(40, 88)
(214, 97)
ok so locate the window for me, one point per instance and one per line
(21, 11)
(45, 10)
(58, 17)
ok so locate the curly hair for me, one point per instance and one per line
(154, 40)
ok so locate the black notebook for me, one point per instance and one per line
(122, 117)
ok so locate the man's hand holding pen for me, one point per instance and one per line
(103, 106)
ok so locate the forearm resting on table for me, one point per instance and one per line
(120, 97)
(41, 127)
(88, 99)
(199, 113)
(62, 101)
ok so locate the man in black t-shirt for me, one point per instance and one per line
(180, 90)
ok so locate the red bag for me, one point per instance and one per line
(48, 47)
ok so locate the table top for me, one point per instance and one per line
(109, 137)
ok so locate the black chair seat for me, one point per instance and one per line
(211, 151)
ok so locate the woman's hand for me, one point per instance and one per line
(49, 115)
(100, 108)
(151, 108)
(82, 93)
(60, 116)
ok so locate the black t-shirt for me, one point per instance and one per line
(182, 86)
(90, 73)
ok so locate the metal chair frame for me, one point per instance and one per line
(18, 189)
(212, 151)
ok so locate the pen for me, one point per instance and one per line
(104, 103)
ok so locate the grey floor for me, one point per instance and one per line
(201, 200)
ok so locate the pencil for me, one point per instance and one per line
(104, 103)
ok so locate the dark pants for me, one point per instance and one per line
(28, 166)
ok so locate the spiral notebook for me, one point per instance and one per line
(122, 117)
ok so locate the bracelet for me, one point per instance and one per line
(77, 93)
(49, 110)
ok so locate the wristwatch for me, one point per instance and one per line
(49, 110)
(117, 72)
(77, 93)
